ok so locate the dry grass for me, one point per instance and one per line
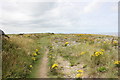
(23, 42)
(71, 52)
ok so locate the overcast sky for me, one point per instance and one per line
(59, 16)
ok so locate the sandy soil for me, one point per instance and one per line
(42, 72)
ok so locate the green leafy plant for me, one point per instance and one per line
(102, 69)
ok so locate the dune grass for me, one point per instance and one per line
(17, 55)
(94, 54)
(81, 47)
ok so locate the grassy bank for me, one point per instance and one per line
(20, 55)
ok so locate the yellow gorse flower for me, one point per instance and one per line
(34, 54)
(115, 42)
(31, 66)
(54, 66)
(117, 62)
(66, 42)
(79, 75)
(102, 50)
(80, 71)
(97, 53)
(33, 58)
(104, 42)
(36, 50)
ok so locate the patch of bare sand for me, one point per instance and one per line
(67, 70)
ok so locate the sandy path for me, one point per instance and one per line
(42, 72)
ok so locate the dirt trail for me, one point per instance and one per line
(42, 72)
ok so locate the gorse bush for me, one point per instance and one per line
(97, 57)
(117, 63)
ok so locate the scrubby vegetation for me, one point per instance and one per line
(69, 56)
(94, 54)
(20, 53)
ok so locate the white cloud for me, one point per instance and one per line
(58, 16)
(13, 12)
(94, 5)
(115, 7)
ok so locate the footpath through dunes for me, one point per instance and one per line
(43, 67)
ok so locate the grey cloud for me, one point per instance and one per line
(33, 10)
(51, 16)
(40, 8)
